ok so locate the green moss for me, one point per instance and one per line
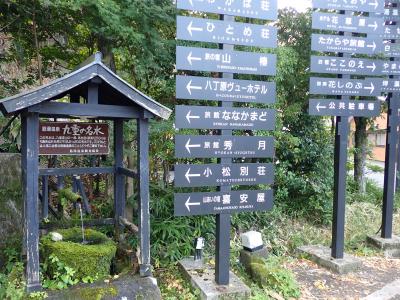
(93, 259)
(95, 293)
(270, 274)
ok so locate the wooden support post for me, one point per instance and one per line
(93, 91)
(223, 221)
(119, 179)
(45, 197)
(340, 173)
(144, 196)
(30, 178)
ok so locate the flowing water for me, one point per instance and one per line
(83, 230)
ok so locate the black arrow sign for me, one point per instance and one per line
(375, 6)
(212, 60)
(207, 117)
(343, 65)
(260, 9)
(335, 43)
(196, 204)
(236, 33)
(224, 89)
(193, 146)
(351, 87)
(221, 175)
(327, 107)
(329, 21)
(391, 85)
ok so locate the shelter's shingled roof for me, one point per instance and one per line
(116, 87)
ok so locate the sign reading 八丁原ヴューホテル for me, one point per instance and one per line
(223, 175)
(373, 6)
(225, 89)
(213, 60)
(209, 146)
(196, 204)
(259, 9)
(63, 138)
(207, 117)
(356, 108)
(216, 31)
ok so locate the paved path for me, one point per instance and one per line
(318, 283)
(388, 292)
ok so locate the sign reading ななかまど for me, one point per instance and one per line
(66, 138)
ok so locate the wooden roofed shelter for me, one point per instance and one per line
(94, 92)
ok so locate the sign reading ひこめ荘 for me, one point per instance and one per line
(65, 138)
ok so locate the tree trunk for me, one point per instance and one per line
(360, 153)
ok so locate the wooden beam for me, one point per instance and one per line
(127, 172)
(30, 178)
(144, 196)
(59, 109)
(119, 179)
(76, 171)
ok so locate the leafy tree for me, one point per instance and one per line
(304, 149)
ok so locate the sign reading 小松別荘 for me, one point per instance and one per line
(64, 138)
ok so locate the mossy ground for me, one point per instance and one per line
(92, 260)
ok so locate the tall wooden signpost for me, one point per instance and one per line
(349, 93)
(228, 116)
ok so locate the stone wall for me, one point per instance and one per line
(10, 170)
(10, 200)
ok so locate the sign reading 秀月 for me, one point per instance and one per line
(66, 138)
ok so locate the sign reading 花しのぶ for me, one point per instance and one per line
(57, 138)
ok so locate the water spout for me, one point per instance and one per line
(83, 230)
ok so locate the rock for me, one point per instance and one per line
(128, 286)
(55, 236)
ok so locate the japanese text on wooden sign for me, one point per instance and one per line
(61, 138)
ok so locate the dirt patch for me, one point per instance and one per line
(318, 283)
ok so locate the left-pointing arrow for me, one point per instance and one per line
(190, 28)
(191, 87)
(188, 146)
(191, 58)
(188, 175)
(189, 117)
(188, 204)
(320, 106)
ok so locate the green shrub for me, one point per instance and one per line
(12, 285)
(86, 260)
(270, 274)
